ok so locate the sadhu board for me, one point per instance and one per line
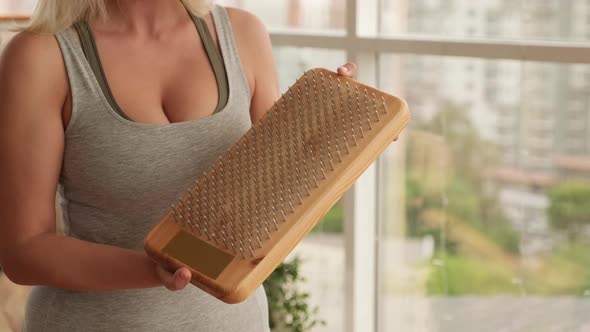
(244, 215)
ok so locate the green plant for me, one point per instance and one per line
(460, 275)
(333, 221)
(288, 307)
(569, 209)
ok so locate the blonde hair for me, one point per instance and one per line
(56, 15)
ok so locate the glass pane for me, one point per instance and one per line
(296, 14)
(9, 8)
(520, 19)
(323, 267)
(292, 62)
(17, 7)
(485, 218)
(322, 251)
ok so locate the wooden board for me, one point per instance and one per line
(325, 131)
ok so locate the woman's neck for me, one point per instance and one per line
(145, 17)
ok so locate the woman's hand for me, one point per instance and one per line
(174, 281)
(349, 70)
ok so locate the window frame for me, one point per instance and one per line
(362, 45)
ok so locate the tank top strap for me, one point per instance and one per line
(229, 50)
(83, 85)
(216, 61)
(91, 52)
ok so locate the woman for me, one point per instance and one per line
(119, 104)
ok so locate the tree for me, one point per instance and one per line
(569, 208)
(469, 152)
(446, 156)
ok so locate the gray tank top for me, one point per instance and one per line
(118, 179)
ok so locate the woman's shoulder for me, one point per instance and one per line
(31, 64)
(36, 54)
(256, 54)
(247, 24)
(31, 48)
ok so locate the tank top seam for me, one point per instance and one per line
(90, 79)
(88, 44)
(47, 311)
(215, 60)
(220, 13)
(65, 209)
(68, 56)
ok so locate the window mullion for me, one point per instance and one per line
(360, 208)
(535, 51)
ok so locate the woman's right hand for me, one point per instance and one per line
(174, 281)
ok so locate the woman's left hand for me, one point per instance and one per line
(349, 70)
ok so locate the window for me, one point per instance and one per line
(322, 252)
(318, 15)
(292, 62)
(472, 218)
(519, 19)
(17, 7)
(445, 249)
(9, 11)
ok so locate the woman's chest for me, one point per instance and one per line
(160, 83)
(117, 165)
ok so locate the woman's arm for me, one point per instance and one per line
(257, 57)
(33, 90)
